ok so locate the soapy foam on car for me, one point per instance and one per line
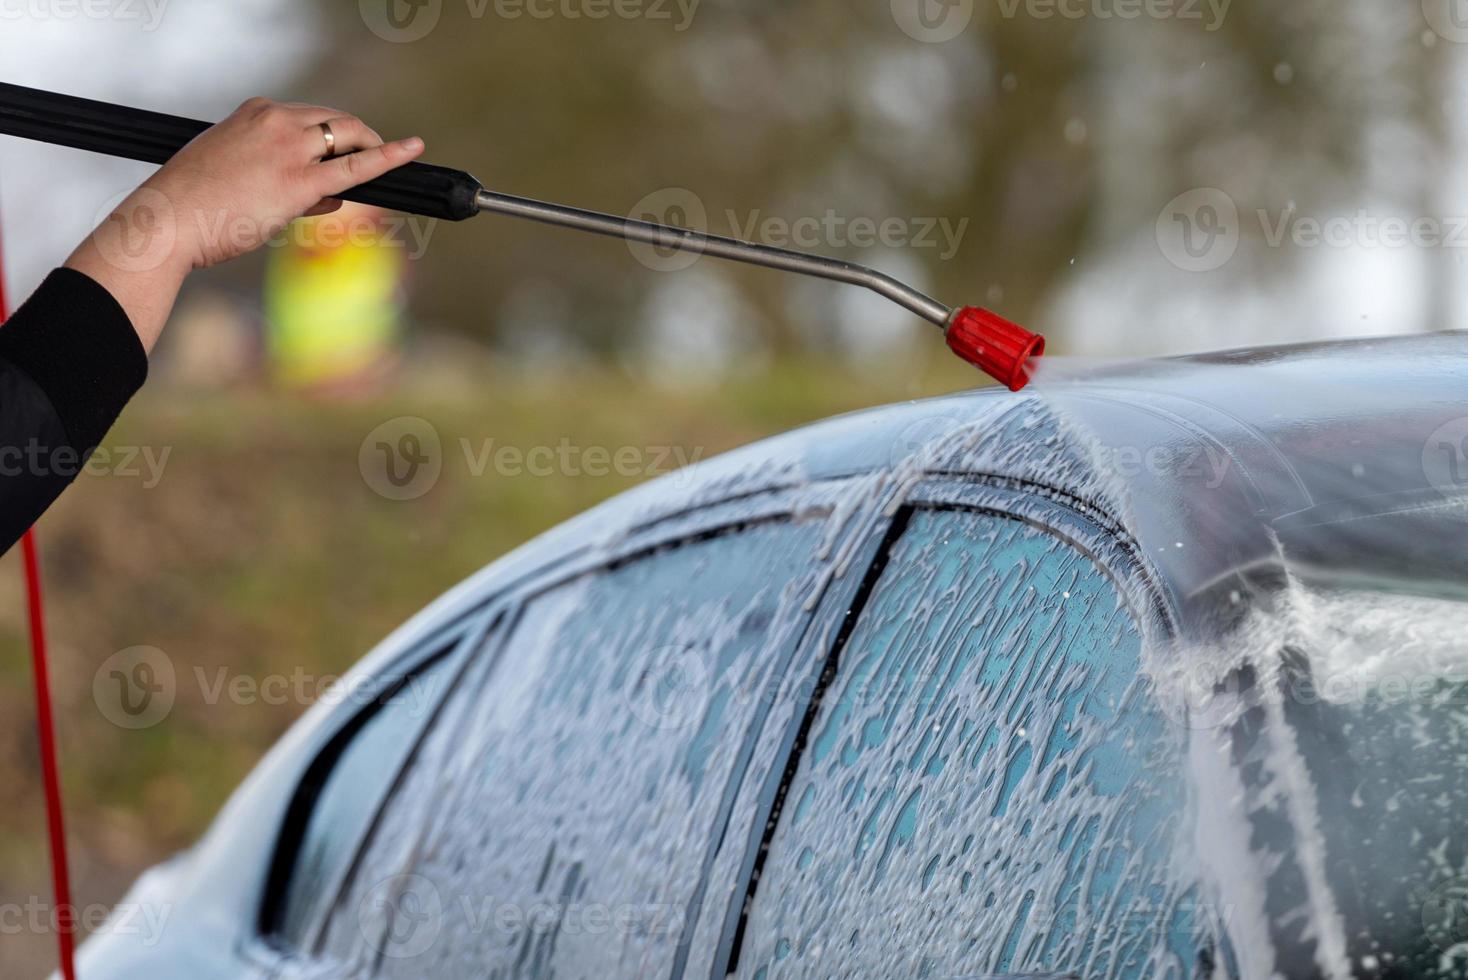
(1036, 435)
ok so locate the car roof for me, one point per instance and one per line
(1229, 471)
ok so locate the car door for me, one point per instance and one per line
(567, 806)
(981, 785)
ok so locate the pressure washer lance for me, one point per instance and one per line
(986, 340)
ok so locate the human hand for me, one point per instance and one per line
(228, 192)
(242, 181)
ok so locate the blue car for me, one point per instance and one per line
(1158, 671)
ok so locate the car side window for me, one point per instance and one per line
(564, 813)
(341, 794)
(982, 790)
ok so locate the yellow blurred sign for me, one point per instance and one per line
(334, 301)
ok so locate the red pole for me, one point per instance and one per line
(65, 917)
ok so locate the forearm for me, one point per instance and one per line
(139, 256)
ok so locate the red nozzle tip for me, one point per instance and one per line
(1000, 349)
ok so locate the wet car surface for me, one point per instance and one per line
(1154, 671)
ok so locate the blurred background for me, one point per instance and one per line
(1132, 178)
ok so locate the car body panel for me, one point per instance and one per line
(1217, 475)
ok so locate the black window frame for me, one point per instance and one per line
(452, 645)
(1082, 524)
(491, 619)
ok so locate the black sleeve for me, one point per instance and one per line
(69, 362)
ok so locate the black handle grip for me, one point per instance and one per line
(153, 137)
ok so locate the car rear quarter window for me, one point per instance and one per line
(339, 804)
(981, 789)
(562, 813)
